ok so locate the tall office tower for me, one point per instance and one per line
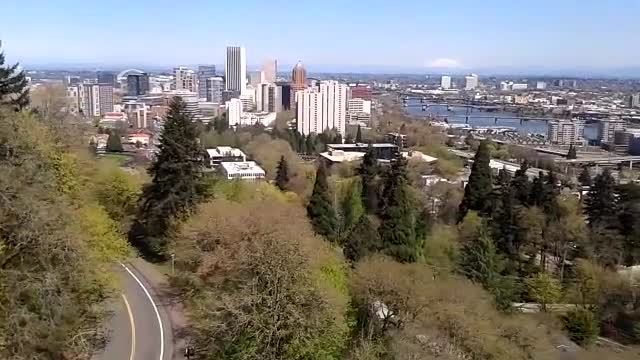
(234, 111)
(185, 79)
(541, 85)
(235, 69)
(298, 81)
(137, 84)
(285, 96)
(334, 106)
(270, 70)
(215, 87)
(634, 100)
(105, 94)
(565, 132)
(275, 98)
(90, 101)
(445, 82)
(106, 77)
(256, 78)
(607, 129)
(204, 72)
(471, 82)
(309, 110)
(262, 97)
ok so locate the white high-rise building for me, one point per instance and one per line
(471, 82)
(275, 99)
(323, 109)
(235, 69)
(607, 129)
(269, 70)
(445, 82)
(359, 106)
(334, 105)
(215, 87)
(541, 85)
(309, 106)
(565, 132)
(185, 79)
(234, 112)
(262, 97)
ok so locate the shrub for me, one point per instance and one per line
(582, 326)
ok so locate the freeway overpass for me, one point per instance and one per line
(499, 164)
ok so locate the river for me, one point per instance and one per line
(477, 118)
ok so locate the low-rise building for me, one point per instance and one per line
(243, 170)
(112, 120)
(382, 151)
(222, 154)
(141, 136)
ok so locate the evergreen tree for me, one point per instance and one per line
(363, 240)
(370, 191)
(220, 123)
(601, 208)
(521, 184)
(282, 176)
(14, 89)
(478, 191)
(585, 177)
(320, 209)
(504, 218)
(572, 154)
(481, 263)
(397, 216)
(537, 196)
(550, 199)
(114, 143)
(359, 135)
(176, 183)
(351, 207)
(349, 139)
(629, 220)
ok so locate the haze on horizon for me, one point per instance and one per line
(332, 35)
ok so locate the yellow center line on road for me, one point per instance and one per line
(133, 328)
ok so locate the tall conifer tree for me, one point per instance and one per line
(14, 89)
(320, 210)
(175, 186)
(477, 193)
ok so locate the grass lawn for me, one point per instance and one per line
(118, 158)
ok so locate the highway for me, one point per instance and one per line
(140, 328)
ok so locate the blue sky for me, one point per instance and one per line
(348, 34)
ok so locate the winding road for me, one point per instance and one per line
(142, 325)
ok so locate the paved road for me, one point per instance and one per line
(140, 328)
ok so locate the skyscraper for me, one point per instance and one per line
(215, 87)
(471, 82)
(204, 72)
(309, 111)
(234, 112)
(137, 84)
(634, 100)
(185, 79)
(445, 82)
(298, 81)
(235, 69)
(275, 98)
(105, 94)
(334, 105)
(106, 77)
(270, 70)
(607, 129)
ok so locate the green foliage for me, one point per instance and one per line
(176, 184)
(14, 88)
(362, 240)
(320, 209)
(282, 175)
(572, 154)
(370, 189)
(114, 143)
(351, 207)
(477, 191)
(118, 192)
(441, 248)
(398, 216)
(359, 135)
(57, 246)
(629, 219)
(582, 326)
(585, 177)
(544, 289)
(600, 204)
(221, 123)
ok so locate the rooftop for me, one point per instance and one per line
(242, 167)
(221, 151)
(362, 146)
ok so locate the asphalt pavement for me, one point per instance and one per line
(141, 327)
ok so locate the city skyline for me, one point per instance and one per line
(502, 37)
